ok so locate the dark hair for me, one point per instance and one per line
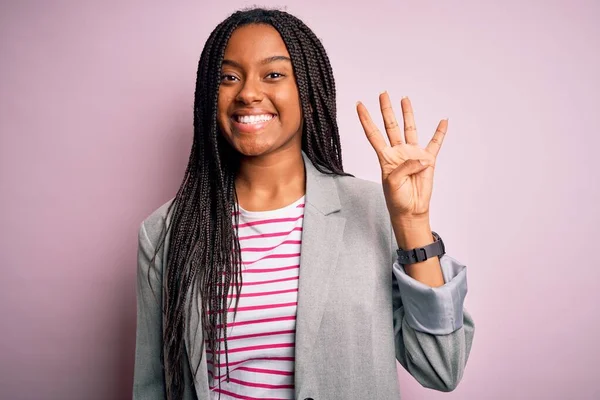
(200, 257)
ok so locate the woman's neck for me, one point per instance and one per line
(270, 182)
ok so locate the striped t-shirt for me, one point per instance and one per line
(261, 339)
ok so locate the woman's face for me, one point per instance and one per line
(259, 106)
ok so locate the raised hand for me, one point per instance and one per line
(406, 168)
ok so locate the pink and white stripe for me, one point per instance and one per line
(261, 339)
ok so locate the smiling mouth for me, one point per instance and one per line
(253, 119)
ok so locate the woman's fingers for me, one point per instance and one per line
(389, 120)
(410, 129)
(393, 130)
(371, 131)
(436, 141)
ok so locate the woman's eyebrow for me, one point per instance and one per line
(267, 60)
(232, 63)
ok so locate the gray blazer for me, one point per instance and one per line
(358, 311)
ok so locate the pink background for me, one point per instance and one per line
(96, 124)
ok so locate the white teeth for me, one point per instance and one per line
(254, 119)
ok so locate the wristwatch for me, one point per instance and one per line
(420, 254)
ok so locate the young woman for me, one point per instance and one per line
(273, 274)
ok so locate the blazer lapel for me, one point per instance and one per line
(322, 234)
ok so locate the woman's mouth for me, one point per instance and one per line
(252, 123)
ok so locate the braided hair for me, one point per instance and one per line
(200, 260)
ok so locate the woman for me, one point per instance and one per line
(276, 271)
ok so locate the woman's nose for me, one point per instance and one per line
(251, 92)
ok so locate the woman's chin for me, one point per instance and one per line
(253, 148)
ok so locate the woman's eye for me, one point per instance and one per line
(275, 75)
(228, 78)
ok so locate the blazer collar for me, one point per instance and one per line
(321, 189)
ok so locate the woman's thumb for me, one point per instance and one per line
(409, 167)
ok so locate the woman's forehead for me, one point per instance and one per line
(255, 43)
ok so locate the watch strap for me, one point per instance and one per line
(421, 254)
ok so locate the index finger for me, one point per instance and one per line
(371, 131)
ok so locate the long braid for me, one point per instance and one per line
(316, 85)
(200, 261)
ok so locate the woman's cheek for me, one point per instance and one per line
(223, 102)
(289, 103)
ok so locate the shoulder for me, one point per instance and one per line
(152, 226)
(368, 226)
(351, 183)
(361, 196)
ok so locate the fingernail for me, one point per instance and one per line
(405, 97)
(424, 162)
(357, 103)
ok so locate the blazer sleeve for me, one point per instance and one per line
(433, 332)
(148, 376)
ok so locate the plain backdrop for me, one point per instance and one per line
(96, 125)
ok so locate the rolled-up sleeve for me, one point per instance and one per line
(439, 310)
(433, 331)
